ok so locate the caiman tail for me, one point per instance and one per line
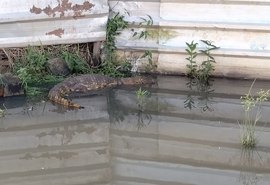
(58, 93)
(65, 102)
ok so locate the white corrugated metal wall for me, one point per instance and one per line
(24, 22)
(241, 28)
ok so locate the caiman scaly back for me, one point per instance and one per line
(89, 82)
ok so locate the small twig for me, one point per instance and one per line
(249, 91)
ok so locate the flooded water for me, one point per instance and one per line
(176, 136)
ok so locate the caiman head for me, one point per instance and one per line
(137, 80)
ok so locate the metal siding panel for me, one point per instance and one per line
(240, 27)
(50, 22)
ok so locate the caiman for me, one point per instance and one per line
(90, 82)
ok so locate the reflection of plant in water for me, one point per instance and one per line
(116, 112)
(252, 105)
(247, 177)
(205, 98)
(142, 118)
(202, 92)
(68, 132)
(3, 112)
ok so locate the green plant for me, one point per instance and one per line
(24, 76)
(192, 54)
(115, 25)
(207, 66)
(111, 65)
(201, 73)
(76, 64)
(252, 113)
(33, 86)
(31, 68)
(36, 60)
(141, 97)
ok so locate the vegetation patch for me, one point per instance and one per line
(30, 64)
(111, 65)
(142, 101)
(202, 72)
(252, 105)
(142, 95)
(199, 74)
(31, 68)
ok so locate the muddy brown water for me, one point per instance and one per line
(115, 141)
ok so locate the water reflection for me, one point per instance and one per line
(199, 95)
(248, 158)
(118, 113)
(118, 140)
(143, 119)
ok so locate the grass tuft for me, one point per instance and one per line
(252, 106)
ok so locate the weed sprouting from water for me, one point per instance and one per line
(141, 97)
(252, 106)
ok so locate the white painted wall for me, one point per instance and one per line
(241, 28)
(24, 22)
